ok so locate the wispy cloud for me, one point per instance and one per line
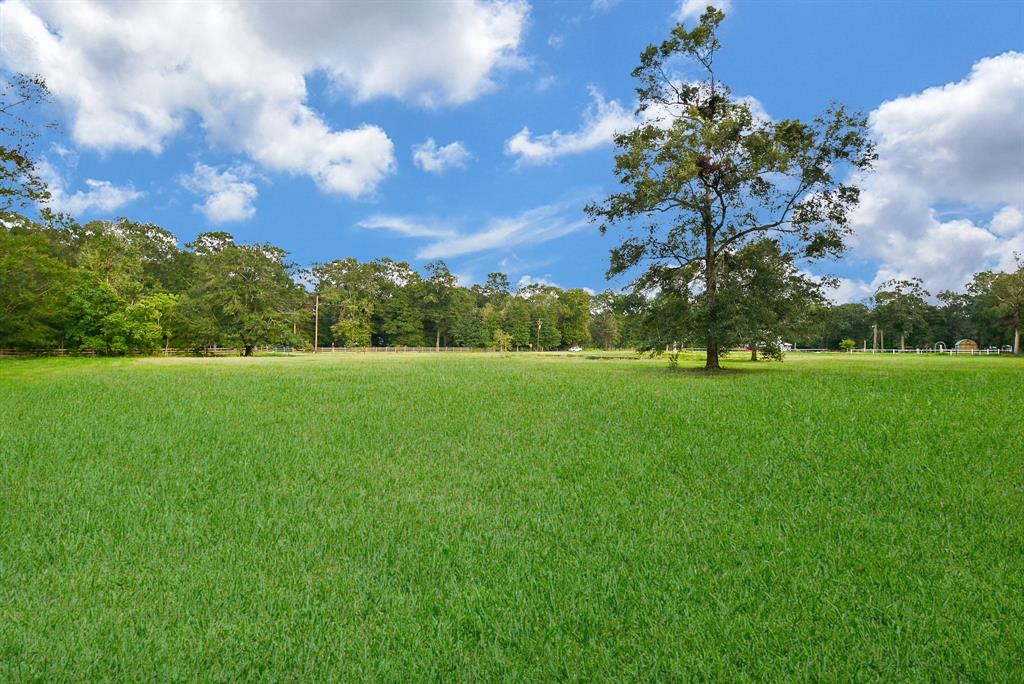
(544, 83)
(534, 226)
(601, 120)
(406, 227)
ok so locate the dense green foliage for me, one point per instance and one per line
(124, 287)
(511, 517)
(389, 303)
(988, 312)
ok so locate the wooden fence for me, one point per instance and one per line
(29, 353)
(231, 351)
(26, 353)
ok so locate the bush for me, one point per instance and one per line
(501, 341)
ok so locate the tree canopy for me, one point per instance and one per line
(20, 183)
(702, 176)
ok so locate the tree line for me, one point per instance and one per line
(126, 287)
(123, 287)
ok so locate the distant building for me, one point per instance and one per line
(966, 346)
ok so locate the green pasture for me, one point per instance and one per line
(482, 517)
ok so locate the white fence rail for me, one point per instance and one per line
(946, 352)
(336, 350)
(817, 350)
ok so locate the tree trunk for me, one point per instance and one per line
(248, 350)
(753, 352)
(711, 292)
(437, 340)
(712, 362)
(1016, 340)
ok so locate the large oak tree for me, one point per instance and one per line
(241, 294)
(702, 176)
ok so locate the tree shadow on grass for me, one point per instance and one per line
(736, 369)
(728, 372)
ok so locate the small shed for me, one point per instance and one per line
(966, 346)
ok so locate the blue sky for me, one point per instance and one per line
(189, 133)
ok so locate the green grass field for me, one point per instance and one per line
(521, 518)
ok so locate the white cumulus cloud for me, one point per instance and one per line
(133, 75)
(947, 199)
(229, 194)
(850, 290)
(692, 9)
(1008, 221)
(528, 280)
(433, 159)
(99, 197)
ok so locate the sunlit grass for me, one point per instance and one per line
(521, 517)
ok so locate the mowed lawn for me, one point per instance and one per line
(517, 518)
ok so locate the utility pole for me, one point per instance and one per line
(316, 324)
(540, 322)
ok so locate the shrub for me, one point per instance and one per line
(501, 341)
